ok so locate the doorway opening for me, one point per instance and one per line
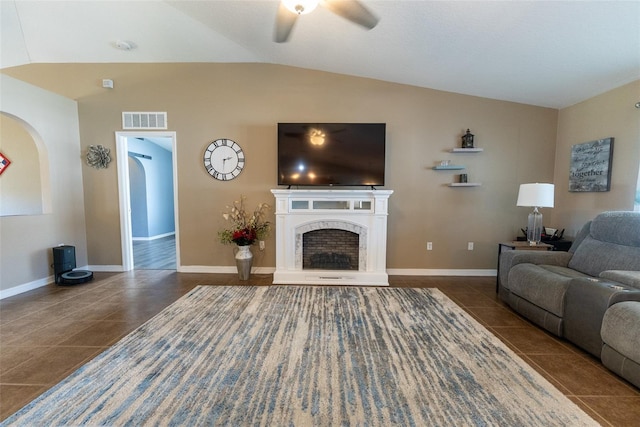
(636, 202)
(147, 182)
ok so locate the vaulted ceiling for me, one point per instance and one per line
(546, 53)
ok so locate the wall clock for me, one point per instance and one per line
(224, 159)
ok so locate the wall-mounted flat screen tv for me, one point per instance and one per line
(328, 154)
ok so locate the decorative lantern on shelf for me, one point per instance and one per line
(467, 140)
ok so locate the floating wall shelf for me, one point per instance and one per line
(465, 184)
(448, 168)
(466, 150)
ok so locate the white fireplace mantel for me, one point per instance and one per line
(363, 212)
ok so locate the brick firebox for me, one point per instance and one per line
(330, 249)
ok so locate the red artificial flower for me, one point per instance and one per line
(245, 236)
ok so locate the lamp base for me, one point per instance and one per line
(534, 227)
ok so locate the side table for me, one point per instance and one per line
(558, 245)
(517, 246)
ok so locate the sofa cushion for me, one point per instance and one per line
(584, 232)
(594, 256)
(621, 228)
(621, 329)
(510, 258)
(542, 285)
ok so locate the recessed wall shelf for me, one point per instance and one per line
(448, 168)
(465, 184)
(466, 150)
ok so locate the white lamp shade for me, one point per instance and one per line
(537, 195)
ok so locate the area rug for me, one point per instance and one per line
(303, 356)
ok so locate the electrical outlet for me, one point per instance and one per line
(470, 246)
(261, 243)
(429, 246)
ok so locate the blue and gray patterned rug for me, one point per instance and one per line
(302, 356)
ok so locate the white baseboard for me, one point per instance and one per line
(440, 272)
(390, 271)
(15, 290)
(157, 236)
(105, 268)
(221, 269)
(261, 270)
(26, 287)
(205, 269)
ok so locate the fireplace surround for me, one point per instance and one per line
(362, 212)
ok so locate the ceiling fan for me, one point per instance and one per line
(288, 12)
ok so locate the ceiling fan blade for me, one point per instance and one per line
(285, 19)
(353, 10)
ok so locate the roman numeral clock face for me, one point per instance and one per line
(224, 159)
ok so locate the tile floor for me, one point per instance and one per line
(47, 333)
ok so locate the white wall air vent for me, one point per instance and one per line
(137, 120)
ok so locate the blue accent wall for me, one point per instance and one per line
(152, 213)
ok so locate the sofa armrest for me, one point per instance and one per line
(586, 301)
(508, 259)
(630, 278)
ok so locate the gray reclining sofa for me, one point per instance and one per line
(589, 295)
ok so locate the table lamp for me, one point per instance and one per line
(536, 196)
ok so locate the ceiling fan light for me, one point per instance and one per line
(301, 7)
(316, 137)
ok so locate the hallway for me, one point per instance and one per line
(157, 254)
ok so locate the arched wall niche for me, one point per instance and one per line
(25, 187)
(138, 195)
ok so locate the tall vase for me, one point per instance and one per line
(244, 259)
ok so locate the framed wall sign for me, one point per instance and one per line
(590, 169)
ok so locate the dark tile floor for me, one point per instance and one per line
(47, 333)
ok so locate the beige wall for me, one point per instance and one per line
(611, 114)
(244, 102)
(26, 240)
